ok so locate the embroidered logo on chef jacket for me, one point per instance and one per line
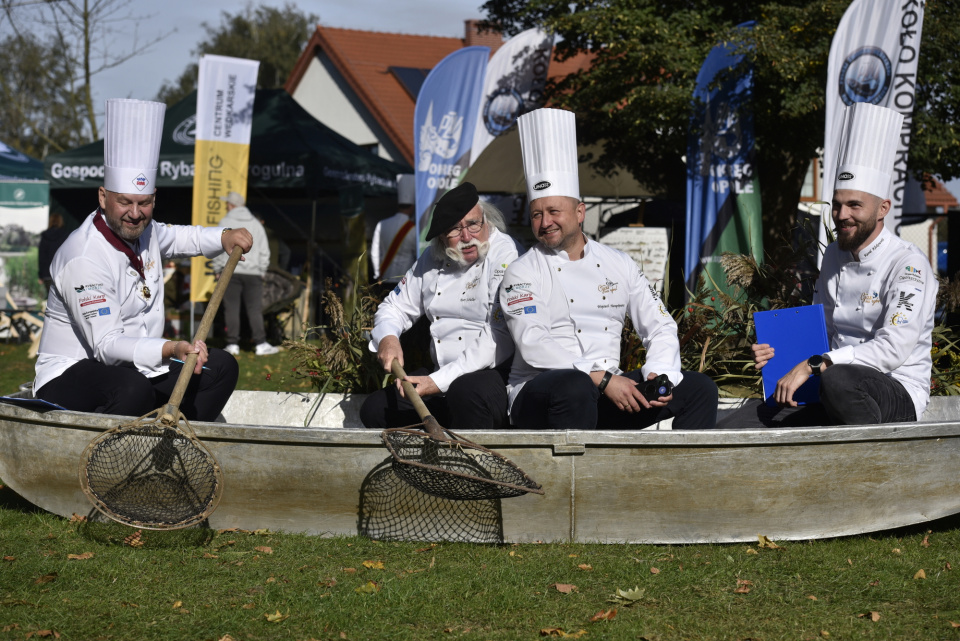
(150, 264)
(898, 319)
(530, 309)
(510, 288)
(911, 274)
(870, 297)
(403, 281)
(608, 287)
(473, 283)
(96, 313)
(497, 314)
(654, 292)
(91, 299)
(905, 301)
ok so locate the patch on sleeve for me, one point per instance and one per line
(530, 309)
(403, 281)
(94, 313)
(898, 319)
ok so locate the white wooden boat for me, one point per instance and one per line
(332, 477)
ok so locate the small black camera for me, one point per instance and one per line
(660, 386)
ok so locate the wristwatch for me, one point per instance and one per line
(603, 381)
(816, 363)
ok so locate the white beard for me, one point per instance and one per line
(456, 253)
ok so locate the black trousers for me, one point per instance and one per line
(567, 399)
(91, 386)
(477, 401)
(849, 395)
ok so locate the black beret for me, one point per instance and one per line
(452, 207)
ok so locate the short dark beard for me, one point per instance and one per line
(125, 234)
(852, 243)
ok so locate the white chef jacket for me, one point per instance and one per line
(467, 331)
(567, 314)
(406, 255)
(97, 307)
(880, 311)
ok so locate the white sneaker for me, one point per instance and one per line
(232, 349)
(265, 349)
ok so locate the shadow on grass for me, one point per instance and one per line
(10, 500)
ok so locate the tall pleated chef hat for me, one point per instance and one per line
(406, 189)
(548, 141)
(131, 145)
(868, 147)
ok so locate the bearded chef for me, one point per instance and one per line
(878, 294)
(454, 285)
(102, 348)
(565, 302)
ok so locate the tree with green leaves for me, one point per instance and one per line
(273, 36)
(646, 54)
(41, 109)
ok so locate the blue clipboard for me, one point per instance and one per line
(796, 334)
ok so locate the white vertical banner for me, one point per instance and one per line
(873, 58)
(226, 88)
(516, 77)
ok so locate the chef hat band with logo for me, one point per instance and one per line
(548, 142)
(868, 148)
(406, 189)
(131, 145)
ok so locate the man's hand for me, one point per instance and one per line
(234, 237)
(388, 350)
(424, 384)
(625, 393)
(180, 349)
(790, 383)
(762, 353)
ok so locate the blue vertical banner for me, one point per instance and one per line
(723, 191)
(443, 124)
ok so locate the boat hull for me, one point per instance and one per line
(650, 486)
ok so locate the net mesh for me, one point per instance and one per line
(151, 475)
(455, 469)
(393, 510)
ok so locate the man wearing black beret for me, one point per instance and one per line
(454, 284)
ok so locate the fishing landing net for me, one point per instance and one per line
(150, 475)
(393, 510)
(454, 468)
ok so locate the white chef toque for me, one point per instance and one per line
(548, 141)
(406, 189)
(131, 145)
(868, 148)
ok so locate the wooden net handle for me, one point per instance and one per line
(433, 427)
(172, 408)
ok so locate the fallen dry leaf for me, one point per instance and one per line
(811, 597)
(875, 583)
(925, 542)
(752, 551)
(177, 604)
(370, 587)
(585, 566)
(264, 549)
(373, 565)
(12, 626)
(767, 543)
(428, 548)
(563, 588)
(948, 566)
(80, 557)
(572, 556)
(271, 579)
(954, 625)
(76, 518)
(824, 634)
(9, 558)
(276, 617)
(849, 562)
(558, 632)
(920, 574)
(872, 615)
(207, 555)
(895, 550)
(654, 571)
(44, 633)
(604, 615)
(328, 582)
(248, 606)
(46, 578)
(626, 597)
(226, 637)
(135, 540)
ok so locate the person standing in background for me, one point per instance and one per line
(394, 247)
(50, 240)
(247, 281)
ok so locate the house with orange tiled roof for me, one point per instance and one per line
(364, 84)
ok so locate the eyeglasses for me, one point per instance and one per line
(473, 227)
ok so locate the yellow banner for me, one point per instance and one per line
(221, 167)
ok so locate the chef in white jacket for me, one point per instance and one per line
(102, 348)
(565, 302)
(454, 285)
(878, 294)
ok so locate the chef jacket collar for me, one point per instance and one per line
(563, 254)
(874, 250)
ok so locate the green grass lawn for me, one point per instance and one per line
(88, 581)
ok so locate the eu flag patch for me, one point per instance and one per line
(530, 309)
